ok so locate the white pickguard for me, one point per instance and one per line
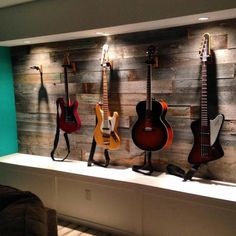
(110, 123)
(215, 126)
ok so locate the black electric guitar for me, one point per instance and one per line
(151, 132)
(206, 131)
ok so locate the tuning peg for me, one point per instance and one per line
(200, 50)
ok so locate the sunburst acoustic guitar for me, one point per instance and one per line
(151, 132)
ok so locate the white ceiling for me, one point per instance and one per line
(136, 27)
(8, 3)
(36, 22)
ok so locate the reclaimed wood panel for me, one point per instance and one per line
(225, 71)
(229, 111)
(176, 80)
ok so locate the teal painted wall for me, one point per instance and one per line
(8, 129)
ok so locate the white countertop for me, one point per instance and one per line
(212, 189)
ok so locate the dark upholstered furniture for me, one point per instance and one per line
(22, 213)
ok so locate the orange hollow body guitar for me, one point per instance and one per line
(105, 133)
(151, 132)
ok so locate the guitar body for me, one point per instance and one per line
(151, 132)
(215, 150)
(69, 120)
(106, 135)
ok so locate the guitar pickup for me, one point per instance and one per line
(114, 136)
(205, 133)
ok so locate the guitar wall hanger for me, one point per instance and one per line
(38, 68)
(35, 67)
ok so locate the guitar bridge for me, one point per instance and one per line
(69, 119)
(105, 128)
(148, 128)
(106, 139)
(104, 135)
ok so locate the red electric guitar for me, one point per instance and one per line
(69, 120)
(151, 132)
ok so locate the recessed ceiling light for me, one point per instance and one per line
(102, 33)
(27, 41)
(203, 18)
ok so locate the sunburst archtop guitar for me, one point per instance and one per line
(105, 133)
(151, 132)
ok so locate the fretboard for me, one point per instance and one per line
(205, 127)
(204, 102)
(149, 81)
(105, 95)
(66, 86)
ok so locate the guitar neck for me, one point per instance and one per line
(205, 123)
(149, 86)
(66, 86)
(105, 94)
(204, 100)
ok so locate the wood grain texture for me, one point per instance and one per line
(176, 80)
(67, 228)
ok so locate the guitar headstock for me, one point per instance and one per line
(105, 57)
(151, 55)
(205, 48)
(66, 61)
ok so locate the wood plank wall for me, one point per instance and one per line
(176, 80)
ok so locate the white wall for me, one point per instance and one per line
(45, 17)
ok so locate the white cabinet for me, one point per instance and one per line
(125, 202)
